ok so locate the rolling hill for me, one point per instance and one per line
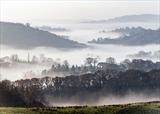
(24, 36)
(132, 37)
(129, 18)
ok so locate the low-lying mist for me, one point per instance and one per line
(74, 57)
(130, 97)
(22, 71)
(77, 56)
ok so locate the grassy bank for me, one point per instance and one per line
(138, 108)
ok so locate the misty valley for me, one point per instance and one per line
(38, 80)
(28, 58)
(97, 65)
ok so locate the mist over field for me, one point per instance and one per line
(130, 97)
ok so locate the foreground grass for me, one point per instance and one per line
(139, 108)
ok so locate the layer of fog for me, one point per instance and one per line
(82, 33)
(74, 57)
(22, 71)
(78, 56)
(131, 97)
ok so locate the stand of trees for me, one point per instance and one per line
(91, 65)
(85, 88)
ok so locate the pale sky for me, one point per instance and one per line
(43, 10)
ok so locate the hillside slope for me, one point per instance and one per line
(132, 37)
(22, 36)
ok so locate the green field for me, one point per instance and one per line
(139, 108)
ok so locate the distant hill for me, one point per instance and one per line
(23, 36)
(129, 18)
(132, 37)
(136, 18)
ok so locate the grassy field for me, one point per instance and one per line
(138, 108)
